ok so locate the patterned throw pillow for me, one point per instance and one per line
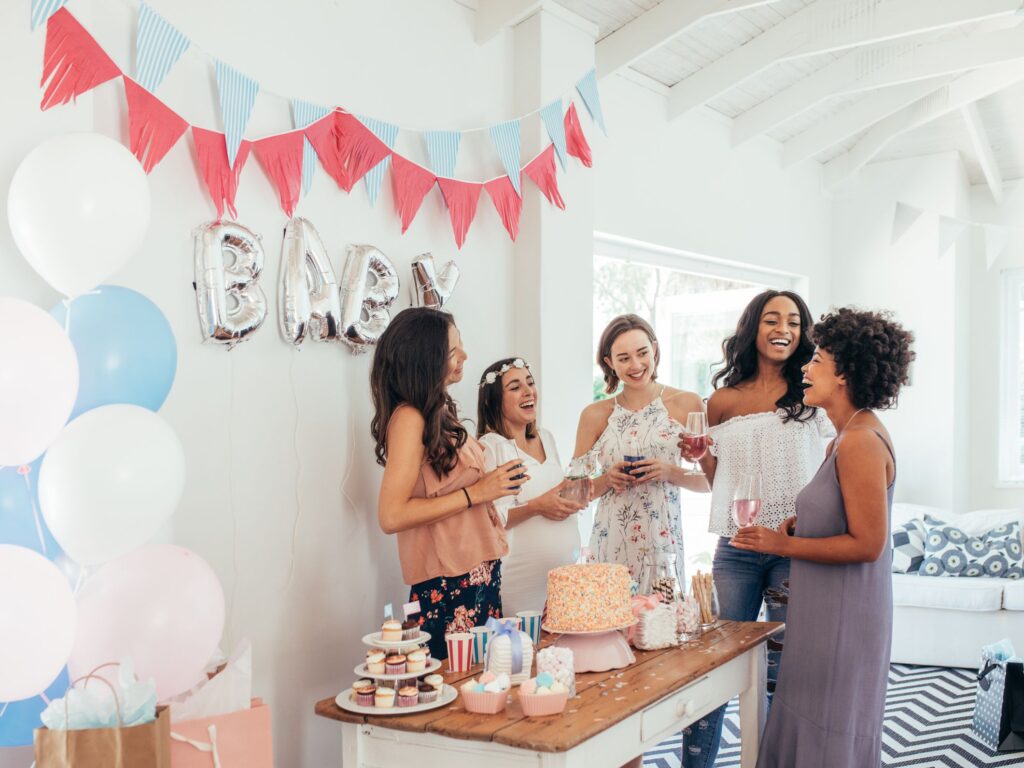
(908, 547)
(948, 551)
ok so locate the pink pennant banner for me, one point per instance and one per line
(507, 202)
(347, 149)
(461, 197)
(153, 127)
(409, 185)
(575, 142)
(221, 179)
(542, 171)
(73, 61)
(359, 146)
(322, 136)
(281, 159)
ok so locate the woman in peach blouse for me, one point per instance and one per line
(435, 495)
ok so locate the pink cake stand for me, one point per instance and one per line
(596, 651)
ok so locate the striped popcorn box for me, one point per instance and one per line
(529, 622)
(481, 636)
(460, 651)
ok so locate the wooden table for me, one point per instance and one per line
(615, 716)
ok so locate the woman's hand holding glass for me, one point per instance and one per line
(554, 506)
(500, 482)
(619, 477)
(648, 470)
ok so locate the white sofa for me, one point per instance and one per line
(944, 621)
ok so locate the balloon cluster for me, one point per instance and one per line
(312, 303)
(89, 471)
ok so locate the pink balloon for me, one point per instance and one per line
(162, 606)
(38, 381)
(37, 622)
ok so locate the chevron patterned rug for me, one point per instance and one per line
(928, 713)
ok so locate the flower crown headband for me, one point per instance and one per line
(492, 376)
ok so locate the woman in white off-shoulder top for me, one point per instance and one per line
(758, 423)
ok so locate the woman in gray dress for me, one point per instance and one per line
(830, 698)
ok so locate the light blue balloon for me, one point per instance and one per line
(126, 349)
(21, 717)
(17, 519)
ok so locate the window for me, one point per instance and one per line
(1011, 416)
(693, 303)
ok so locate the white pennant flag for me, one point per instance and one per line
(950, 230)
(903, 219)
(996, 239)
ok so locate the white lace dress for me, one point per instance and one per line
(787, 454)
(632, 526)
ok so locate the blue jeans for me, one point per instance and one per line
(743, 580)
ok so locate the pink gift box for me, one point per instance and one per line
(242, 739)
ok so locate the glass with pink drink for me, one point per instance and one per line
(746, 501)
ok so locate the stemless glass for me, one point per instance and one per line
(504, 453)
(746, 501)
(696, 439)
(578, 476)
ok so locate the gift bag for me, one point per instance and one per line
(999, 707)
(136, 746)
(239, 739)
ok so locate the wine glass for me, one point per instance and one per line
(696, 439)
(746, 500)
(504, 453)
(634, 453)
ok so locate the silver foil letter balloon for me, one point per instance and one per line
(369, 286)
(308, 300)
(430, 289)
(228, 263)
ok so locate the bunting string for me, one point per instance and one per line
(349, 147)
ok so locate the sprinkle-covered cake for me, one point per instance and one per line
(588, 598)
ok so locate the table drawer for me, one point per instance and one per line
(695, 700)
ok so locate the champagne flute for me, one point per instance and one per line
(746, 501)
(696, 439)
(504, 453)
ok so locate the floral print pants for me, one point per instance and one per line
(458, 603)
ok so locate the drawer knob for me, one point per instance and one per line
(684, 708)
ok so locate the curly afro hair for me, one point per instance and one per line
(871, 350)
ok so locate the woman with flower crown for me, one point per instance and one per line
(540, 524)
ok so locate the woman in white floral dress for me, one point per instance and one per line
(637, 515)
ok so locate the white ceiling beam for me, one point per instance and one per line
(825, 26)
(983, 150)
(961, 92)
(867, 69)
(492, 16)
(858, 117)
(653, 28)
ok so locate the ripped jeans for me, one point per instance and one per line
(743, 580)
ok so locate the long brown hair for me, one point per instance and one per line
(410, 365)
(618, 326)
(489, 414)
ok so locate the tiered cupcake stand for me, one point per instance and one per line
(597, 651)
(445, 696)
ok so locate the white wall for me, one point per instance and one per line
(925, 294)
(277, 441)
(986, 345)
(681, 185)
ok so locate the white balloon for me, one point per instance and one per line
(37, 622)
(38, 381)
(109, 481)
(78, 206)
